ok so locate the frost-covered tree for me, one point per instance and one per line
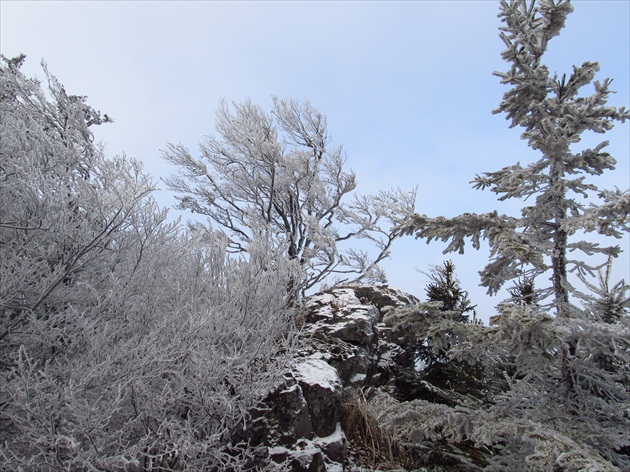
(62, 201)
(554, 113)
(125, 343)
(524, 292)
(606, 303)
(280, 170)
(532, 391)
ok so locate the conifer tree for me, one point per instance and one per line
(523, 292)
(554, 112)
(532, 391)
(445, 287)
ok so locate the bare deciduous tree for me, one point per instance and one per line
(279, 169)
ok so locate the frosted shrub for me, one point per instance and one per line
(126, 343)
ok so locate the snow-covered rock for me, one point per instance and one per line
(322, 390)
(291, 412)
(345, 346)
(328, 453)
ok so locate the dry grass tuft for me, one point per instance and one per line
(371, 445)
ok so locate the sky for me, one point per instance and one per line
(407, 88)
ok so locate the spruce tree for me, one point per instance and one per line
(554, 112)
(532, 391)
(445, 288)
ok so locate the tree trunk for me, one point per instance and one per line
(559, 277)
(560, 238)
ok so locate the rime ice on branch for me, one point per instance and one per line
(278, 173)
(554, 115)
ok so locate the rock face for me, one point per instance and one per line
(322, 391)
(344, 346)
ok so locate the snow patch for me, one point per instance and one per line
(314, 371)
(357, 378)
(291, 389)
(308, 447)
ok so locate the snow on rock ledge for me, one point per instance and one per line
(313, 371)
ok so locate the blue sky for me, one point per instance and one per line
(407, 88)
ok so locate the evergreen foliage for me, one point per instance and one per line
(524, 292)
(554, 114)
(445, 288)
(606, 303)
(542, 392)
(532, 391)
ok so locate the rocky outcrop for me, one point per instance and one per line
(345, 346)
(300, 421)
